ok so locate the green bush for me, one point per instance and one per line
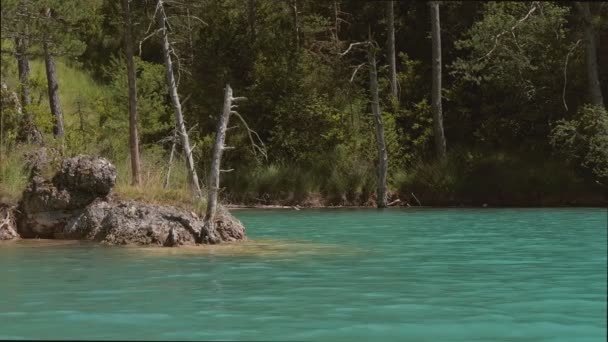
(584, 140)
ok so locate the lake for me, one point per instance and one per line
(326, 275)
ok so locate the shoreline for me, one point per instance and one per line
(298, 207)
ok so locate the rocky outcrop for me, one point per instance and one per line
(133, 222)
(76, 204)
(8, 227)
(47, 206)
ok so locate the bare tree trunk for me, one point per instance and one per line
(53, 87)
(436, 91)
(392, 64)
(593, 81)
(23, 67)
(209, 233)
(133, 135)
(28, 130)
(251, 17)
(179, 118)
(296, 22)
(166, 185)
(375, 104)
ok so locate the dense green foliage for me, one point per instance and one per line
(517, 126)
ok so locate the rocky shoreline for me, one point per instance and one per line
(77, 204)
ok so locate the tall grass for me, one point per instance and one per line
(154, 168)
(13, 175)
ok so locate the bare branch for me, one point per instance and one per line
(565, 72)
(355, 72)
(146, 38)
(352, 45)
(229, 170)
(251, 133)
(497, 37)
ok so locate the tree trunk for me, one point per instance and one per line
(179, 118)
(209, 233)
(375, 104)
(23, 67)
(251, 17)
(133, 135)
(296, 22)
(593, 81)
(28, 132)
(168, 177)
(436, 88)
(392, 63)
(53, 87)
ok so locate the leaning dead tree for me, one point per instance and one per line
(438, 132)
(209, 232)
(177, 106)
(371, 47)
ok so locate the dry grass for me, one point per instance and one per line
(151, 189)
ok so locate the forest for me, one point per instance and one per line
(331, 103)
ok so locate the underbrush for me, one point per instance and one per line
(497, 179)
(13, 175)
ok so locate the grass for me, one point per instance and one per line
(13, 176)
(151, 189)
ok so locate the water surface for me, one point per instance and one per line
(326, 275)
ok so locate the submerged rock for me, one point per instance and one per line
(8, 227)
(76, 204)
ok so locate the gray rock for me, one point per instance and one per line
(88, 174)
(133, 222)
(76, 205)
(8, 227)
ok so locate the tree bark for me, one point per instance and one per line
(436, 87)
(593, 81)
(251, 17)
(179, 118)
(168, 177)
(375, 104)
(296, 22)
(133, 134)
(209, 233)
(392, 63)
(53, 88)
(23, 67)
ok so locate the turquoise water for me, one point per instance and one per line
(334, 275)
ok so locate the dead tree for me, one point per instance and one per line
(436, 86)
(53, 84)
(177, 106)
(371, 47)
(296, 22)
(209, 233)
(392, 64)
(133, 135)
(593, 81)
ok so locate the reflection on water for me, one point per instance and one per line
(329, 275)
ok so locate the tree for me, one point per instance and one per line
(380, 143)
(133, 135)
(371, 47)
(391, 49)
(16, 18)
(177, 105)
(593, 81)
(51, 77)
(436, 91)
